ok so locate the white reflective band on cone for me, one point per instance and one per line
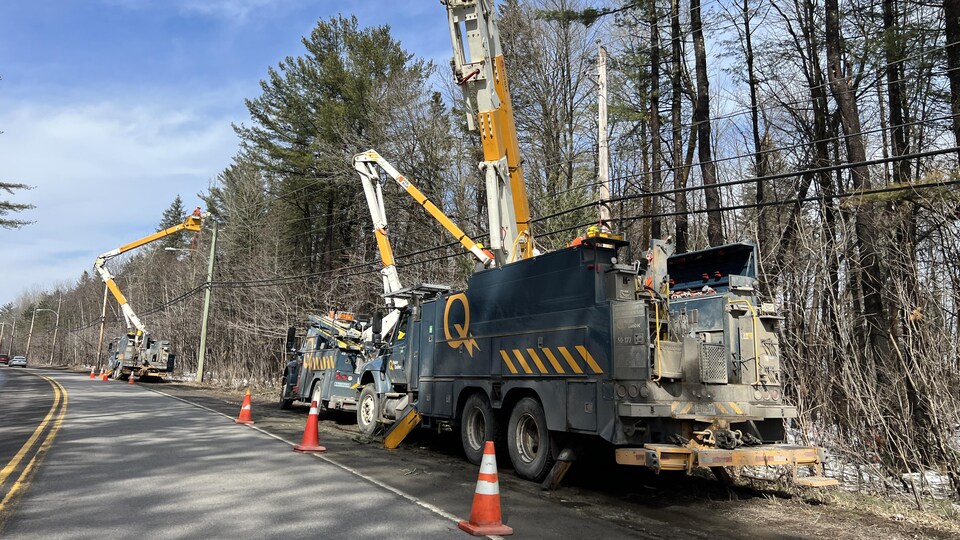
(487, 488)
(488, 465)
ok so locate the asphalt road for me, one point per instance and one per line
(167, 461)
(129, 462)
(25, 400)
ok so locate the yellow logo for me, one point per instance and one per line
(462, 330)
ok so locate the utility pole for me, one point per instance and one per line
(103, 319)
(56, 329)
(13, 336)
(603, 146)
(3, 326)
(30, 333)
(206, 305)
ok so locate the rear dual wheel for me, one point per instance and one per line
(478, 424)
(529, 441)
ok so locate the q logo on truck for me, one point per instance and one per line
(462, 331)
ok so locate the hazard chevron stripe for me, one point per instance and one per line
(506, 360)
(529, 362)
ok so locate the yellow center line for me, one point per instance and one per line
(12, 465)
(37, 458)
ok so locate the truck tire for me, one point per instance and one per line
(528, 440)
(478, 424)
(285, 403)
(368, 410)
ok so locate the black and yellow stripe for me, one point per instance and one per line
(530, 362)
(317, 363)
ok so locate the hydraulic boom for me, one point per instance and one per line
(366, 164)
(192, 223)
(479, 70)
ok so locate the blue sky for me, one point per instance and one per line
(111, 108)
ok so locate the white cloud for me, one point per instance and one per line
(103, 174)
(233, 11)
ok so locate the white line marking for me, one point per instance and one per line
(374, 481)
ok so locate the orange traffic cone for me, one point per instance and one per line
(130, 378)
(103, 374)
(246, 416)
(311, 439)
(485, 515)
(92, 376)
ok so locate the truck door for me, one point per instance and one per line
(398, 350)
(421, 358)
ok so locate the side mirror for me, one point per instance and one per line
(377, 327)
(291, 339)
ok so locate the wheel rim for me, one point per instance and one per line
(476, 429)
(366, 411)
(527, 438)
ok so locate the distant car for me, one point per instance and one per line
(4, 359)
(19, 361)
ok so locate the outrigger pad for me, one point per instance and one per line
(408, 420)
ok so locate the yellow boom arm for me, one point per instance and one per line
(479, 70)
(192, 223)
(366, 164)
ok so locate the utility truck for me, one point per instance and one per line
(323, 368)
(574, 343)
(543, 350)
(136, 353)
(151, 358)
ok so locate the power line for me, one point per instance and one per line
(813, 170)
(785, 202)
(779, 149)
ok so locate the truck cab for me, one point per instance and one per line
(323, 368)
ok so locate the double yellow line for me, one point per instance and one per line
(47, 431)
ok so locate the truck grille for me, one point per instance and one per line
(713, 365)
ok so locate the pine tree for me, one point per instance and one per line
(173, 215)
(317, 110)
(7, 207)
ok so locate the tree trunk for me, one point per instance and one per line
(656, 175)
(701, 116)
(679, 178)
(895, 90)
(951, 15)
(868, 270)
(760, 159)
